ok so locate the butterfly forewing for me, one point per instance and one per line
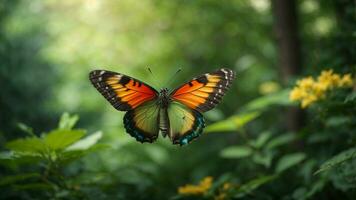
(205, 92)
(123, 92)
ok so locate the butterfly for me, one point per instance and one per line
(177, 114)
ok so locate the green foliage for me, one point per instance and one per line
(53, 150)
(236, 152)
(233, 123)
(345, 156)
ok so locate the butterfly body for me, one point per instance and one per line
(175, 114)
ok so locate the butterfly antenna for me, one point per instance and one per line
(153, 77)
(171, 79)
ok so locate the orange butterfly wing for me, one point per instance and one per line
(123, 92)
(205, 92)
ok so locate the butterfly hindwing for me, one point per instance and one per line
(185, 124)
(142, 122)
(123, 92)
(205, 92)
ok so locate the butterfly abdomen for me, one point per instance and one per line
(163, 122)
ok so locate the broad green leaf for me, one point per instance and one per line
(221, 126)
(27, 145)
(8, 180)
(288, 161)
(67, 121)
(280, 140)
(86, 142)
(279, 98)
(236, 152)
(62, 138)
(233, 123)
(244, 118)
(253, 185)
(337, 160)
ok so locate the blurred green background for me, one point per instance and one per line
(257, 140)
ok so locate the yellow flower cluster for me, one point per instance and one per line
(309, 90)
(199, 189)
(203, 187)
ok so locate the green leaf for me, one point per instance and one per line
(244, 118)
(233, 123)
(8, 180)
(253, 185)
(263, 158)
(351, 97)
(86, 142)
(337, 160)
(62, 138)
(288, 161)
(336, 121)
(280, 98)
(261, 140)
(27, 145)
(67, 121)
(280, 140)
(236, 152)
(26, 129)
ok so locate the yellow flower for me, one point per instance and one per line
(346, 81)
(199, 189)
(296, 94)
(308, 100)
(308, 90)
(306, 83)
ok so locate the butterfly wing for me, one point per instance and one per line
(123, 92)
(185, 124)
(142, 122)
(205, 92)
